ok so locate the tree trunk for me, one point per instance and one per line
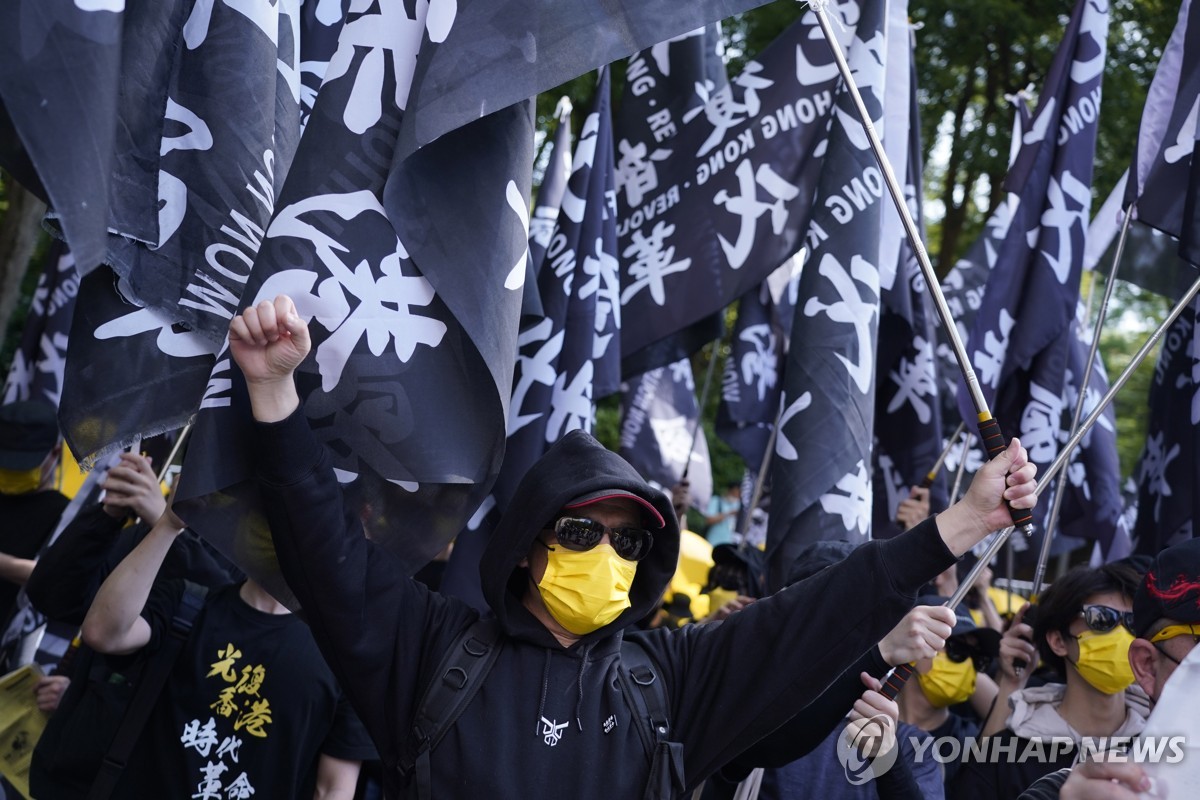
(952, 222)
(19, 231)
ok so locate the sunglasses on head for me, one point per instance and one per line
(1103, 619)
(581, 534)
(959, 651)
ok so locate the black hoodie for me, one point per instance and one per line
(548, 721)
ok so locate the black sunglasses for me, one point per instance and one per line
(959, 651)
(581, 534)
(1103, 619)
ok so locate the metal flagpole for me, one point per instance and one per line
(756, 495)
(931, 476)
(708, 375)
(1052, 517)
(900, 675)
(989, 429)
(962, 468)
(175, 448)
(1061, 460)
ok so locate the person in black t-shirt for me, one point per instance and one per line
(250, 707)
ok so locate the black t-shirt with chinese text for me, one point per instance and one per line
(248, 709)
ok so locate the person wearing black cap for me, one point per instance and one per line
(1166, 627)
(949, 678)
(29, 507)
(583, 552)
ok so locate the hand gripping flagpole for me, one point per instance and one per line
(989, 429)
(900, 675)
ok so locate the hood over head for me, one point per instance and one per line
(577, 467)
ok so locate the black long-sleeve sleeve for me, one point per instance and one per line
(898, 783)
(69, 572)
(801, 734)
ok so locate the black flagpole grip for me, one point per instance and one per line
(994, 444)
(895, 680)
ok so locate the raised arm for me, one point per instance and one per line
(269, 341)
(114, 624)
(763, 665)
(374, 625)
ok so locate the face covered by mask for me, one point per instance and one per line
(20, 481)
(1104, 659)
(948, 683)
(586, 590)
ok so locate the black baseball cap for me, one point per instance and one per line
(648, 510)
(1170, 589)
(28, 432)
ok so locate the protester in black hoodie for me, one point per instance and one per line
(550, 719)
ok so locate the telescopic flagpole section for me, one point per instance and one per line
(708, 376)
(900, 675)
(989, 429)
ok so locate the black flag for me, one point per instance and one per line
(130, 371)
(1168, 478)
(821, 472)
(660, 93)
(38, 364)
(732, 199)
(494, 54)
(559, 357)
(752, 381)
(1021, 342)
(59, 67)
(908, 420)
(659, 417)
(411, 273)
(1166, 172)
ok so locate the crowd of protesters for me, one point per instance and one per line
(615, 661)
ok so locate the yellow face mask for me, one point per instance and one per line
(719, 597)
(948, 682)
(20, 481)
(586, 590)
(1104, 659)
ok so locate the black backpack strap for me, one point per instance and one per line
(154, 678)
(646, 693)
(454, 684)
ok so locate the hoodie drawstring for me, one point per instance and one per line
(545, 687)
(584, 655)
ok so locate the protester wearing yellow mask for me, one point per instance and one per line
(29, 508)
(1082, 634)
(949, 679)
